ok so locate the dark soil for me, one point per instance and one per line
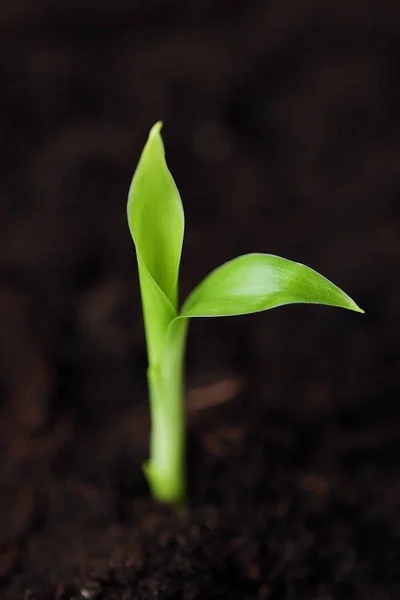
(283, 132)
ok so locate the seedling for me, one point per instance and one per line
(247, 284)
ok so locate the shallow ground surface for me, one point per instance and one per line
(282, 130)
(281, 508)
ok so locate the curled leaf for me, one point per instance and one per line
(156, 223)
(155, 216)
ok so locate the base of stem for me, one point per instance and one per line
(166, 487)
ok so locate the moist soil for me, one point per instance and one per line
(282, 129)
(280, 508)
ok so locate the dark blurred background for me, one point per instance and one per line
(282, 130)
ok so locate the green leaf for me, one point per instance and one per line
(257, 282)
(156, 218)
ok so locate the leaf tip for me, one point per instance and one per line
(358, 309)
(156, 129)
(354, 307)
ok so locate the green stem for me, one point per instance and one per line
(165, 469)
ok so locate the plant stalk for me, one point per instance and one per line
(166, 470)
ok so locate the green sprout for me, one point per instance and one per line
(247, 284)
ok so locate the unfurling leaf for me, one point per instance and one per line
(156, 223)
(155, 216)
(257, 282)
